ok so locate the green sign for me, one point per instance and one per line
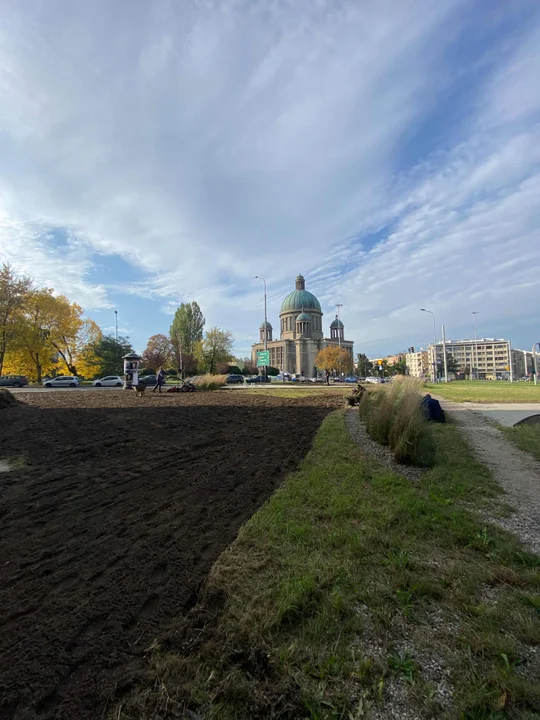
(263, 358)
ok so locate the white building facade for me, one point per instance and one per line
(418, 364)
(481, 359)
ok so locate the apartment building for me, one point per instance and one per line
(389, 359)
(418, 364)
(483, 359)
(522, 363)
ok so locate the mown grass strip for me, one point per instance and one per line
(354, 589)
(526, 437)
(486, 391)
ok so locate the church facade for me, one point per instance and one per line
(301, 333)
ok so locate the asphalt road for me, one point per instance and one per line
(82, 388)
(505, 413)
(250, 386)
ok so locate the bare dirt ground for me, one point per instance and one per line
(111, 515)
(516, 471)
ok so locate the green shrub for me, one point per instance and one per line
(393, 417)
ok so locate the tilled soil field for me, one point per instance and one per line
(111, 516)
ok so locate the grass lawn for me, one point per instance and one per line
(486, 391)
(355, 588)
(526, 437)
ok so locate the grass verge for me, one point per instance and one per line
(486, 391)
(353, 591)
(526, 437)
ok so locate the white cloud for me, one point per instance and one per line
(209, 142)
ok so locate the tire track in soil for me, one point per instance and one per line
(101, 550)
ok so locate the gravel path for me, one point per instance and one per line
(516, 471)
(382, 453)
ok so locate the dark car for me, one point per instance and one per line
(234, 378)
(148, 380)
(258, 379)
(13, 380)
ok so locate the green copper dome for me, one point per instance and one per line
(300, 300)
(303, 317)
(336, 323)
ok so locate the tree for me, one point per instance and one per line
(14, 292)
(272, 371)
(186, 330)
(215, 348)
(364, 366)
(69, 333)
(249, 368)
(158, 352)
(451, 365)
(225, 368)
(398, 368)
(33, 333)
(108, 354)
(334, 358)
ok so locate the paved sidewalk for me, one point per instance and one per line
(516, 471)
(505, 413)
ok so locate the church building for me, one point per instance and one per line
(301, 333)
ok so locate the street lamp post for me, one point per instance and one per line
(535, 361)
(339, 305)
(475, 313)
(435, 346)
(265, 321)
(116, 324)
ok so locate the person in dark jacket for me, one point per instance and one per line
(160, 380)
(327, 376)
(432, 409)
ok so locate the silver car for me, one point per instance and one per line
(63, 381)
(109, 381)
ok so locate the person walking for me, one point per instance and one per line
(327, 376)
(160, 380)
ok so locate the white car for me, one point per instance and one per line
(63, 381)
(374, 380)
(109, 381)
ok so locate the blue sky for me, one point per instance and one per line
(154, 153)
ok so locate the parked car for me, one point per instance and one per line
(148, 380)
(62, 381)
(374, 380)
(109, 381)
(350, 379)
(234, 378)
(258, 379)
(13, 380)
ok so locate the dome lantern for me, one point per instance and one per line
(266, 326)
(337, 329)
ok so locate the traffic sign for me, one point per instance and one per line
(263, 358)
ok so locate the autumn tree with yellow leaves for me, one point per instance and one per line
(42, 333)
(335, 358)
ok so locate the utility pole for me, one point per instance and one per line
(475, 313)
(535, 361)
(435, 345)
(444, 355)
(339, 305)
(265, 325)
(116, 324)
